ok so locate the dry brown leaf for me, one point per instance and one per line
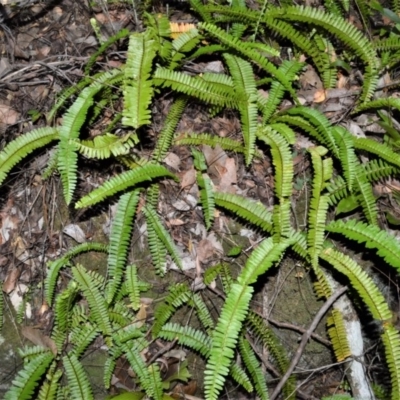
(38, 338)
(188, 178)
(228, 177)
(8, 116)
(11, 280)
(319, 96)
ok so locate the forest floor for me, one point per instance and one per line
(44, 49)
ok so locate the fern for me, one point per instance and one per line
(163, 235)
(207, 197)
(337, 333)
(206, 91)
(245, 88)
(179, 294)
(19, 148)
(251, 54)
(73, 120)
(318, 204)
(391, 341)
(343, 30)
(27, 379)
(92, 291)
(123, 181)
(360, 281)
(77, 378)
(387, 246)
(210, 140)
(165, 138)
(225, 337)
(106, 145)
(81, 337)
(138, 88)
(251, 211)
(254, 368)
(132, 285)
(55, 266)
(48, 390)
(187, 336)
(120, 236)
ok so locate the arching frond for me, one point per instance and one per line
(123, 181)
(121, 230)
(78, 381)
(137, 87)
(25, 144)
(386, 245)
(27, 379)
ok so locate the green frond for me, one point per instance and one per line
(210, 140)
(78, 381)
(158, 29)
(348, 158)
(178, 295)
(281, 159)
(132, 353)
(155, 381)
(261, 259)
(268, 105)
(202, 312)
(318, 204)
(120, 236)
(109, 368)
(385, 103)
(132, 285)
(55, 266)
(360, 281)
(153, 219)
(29, 353)
(391, 341)
(253, 55)
(122, 34)
(245, 88)
(337, 189)
(166, 135)
(104, 146)
(338, 336)
(302, 41)
(187, 336)
(241, 377)
(379, 149)
(365, 196)
(319, 122)
(62, 318)
(73, 120)
(254, 368)
(194, 86)
(251, 211)
(386, 245)
(225, 337)
(281, 219)
(123, 181)
(93, 294)
(157, 250)
(138, 88)
(25, 144)
(223, 272)
(343, 30)
(184, 43)
(275, 348)
(206, 197)
(27, 379)
(198, 7)
(48, 390)
(378, 169)
(81, 337)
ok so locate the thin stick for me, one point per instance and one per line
(305, 338)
